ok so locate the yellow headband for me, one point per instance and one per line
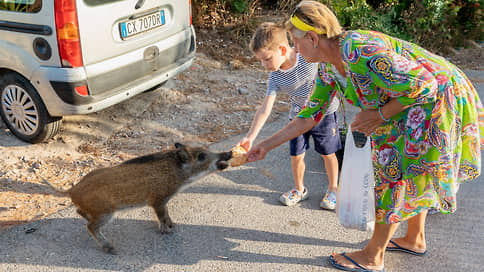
(303, 26)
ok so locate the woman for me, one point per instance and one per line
(421, 112)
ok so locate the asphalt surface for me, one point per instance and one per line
(233, 221)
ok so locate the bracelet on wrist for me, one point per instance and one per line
(381, 115)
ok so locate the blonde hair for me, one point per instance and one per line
(268, 36)
(317, 15)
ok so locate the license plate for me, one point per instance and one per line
(142, 24)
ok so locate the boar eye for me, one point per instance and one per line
(202, 156)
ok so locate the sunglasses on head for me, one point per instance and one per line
(299, 14)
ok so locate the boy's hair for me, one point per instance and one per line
(268, 36)
(317, 15)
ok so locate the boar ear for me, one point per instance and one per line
(178, 145)
(182, 154)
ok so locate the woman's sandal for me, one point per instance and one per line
(399, 248)
(358, 267)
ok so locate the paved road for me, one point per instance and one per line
(232, 221)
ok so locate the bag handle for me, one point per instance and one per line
(342, 110)
(350, 140)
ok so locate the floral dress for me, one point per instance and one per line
(422, 154)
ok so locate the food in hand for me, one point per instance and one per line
(239, 156)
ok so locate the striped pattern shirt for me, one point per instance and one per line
(297, 82)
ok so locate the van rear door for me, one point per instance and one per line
(110, 28)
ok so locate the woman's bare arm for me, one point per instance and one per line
(367, 121)
(296, 127)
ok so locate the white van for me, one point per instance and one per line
(69, 57)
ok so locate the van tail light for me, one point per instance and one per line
(68, 33)
(82, 90)
(190, 10)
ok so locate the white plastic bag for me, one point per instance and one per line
(355, 206)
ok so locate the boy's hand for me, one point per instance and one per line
(245, 143)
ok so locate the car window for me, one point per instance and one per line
(27, 6)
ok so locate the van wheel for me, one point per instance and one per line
(23, 111)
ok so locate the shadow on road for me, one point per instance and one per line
(66, 243)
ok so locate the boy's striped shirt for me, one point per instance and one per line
(297, 83)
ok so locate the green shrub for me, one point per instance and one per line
(358, 14)
(239, 6)
(433, 24)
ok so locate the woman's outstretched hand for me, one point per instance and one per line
(366, 121)
(256, 153)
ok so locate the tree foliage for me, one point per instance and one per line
(433, 24)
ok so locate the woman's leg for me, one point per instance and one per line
(371, 257)
(415, 236)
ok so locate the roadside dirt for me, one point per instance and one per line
(214, 99)
(207, 103)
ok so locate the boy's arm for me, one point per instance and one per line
(259, 120)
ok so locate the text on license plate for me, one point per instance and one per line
(142, 24)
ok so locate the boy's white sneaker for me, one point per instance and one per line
(329, 201)
(293, 197)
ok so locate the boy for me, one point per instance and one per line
(290, 73)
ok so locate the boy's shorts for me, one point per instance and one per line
(325, 137)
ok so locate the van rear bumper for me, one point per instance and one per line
(111, 87)
(57, 107)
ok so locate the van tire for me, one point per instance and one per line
(23, 111)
